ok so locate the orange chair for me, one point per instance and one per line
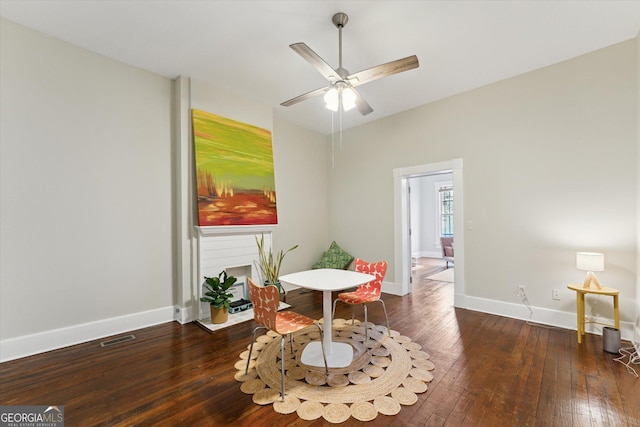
(369, 292)
(265, 313)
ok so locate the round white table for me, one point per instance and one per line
(327, 280)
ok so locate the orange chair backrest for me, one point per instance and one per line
(378, 269)
(265, 300)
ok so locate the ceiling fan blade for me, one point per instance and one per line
(304, 96)
(362, 105)
(316, 61)
(384, 70)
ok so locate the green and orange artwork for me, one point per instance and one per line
(234, 172)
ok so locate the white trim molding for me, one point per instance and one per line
(543, 316)
(15, 348)
(392, 288)
(402, 244)
(235, 229)
(184, 315)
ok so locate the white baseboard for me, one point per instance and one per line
(545, 316)
(427, 254)
(15, 348)
(184, 315)
(392, 288)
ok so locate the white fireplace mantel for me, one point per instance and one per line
(234, 229)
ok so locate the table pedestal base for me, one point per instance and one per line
(339, 356)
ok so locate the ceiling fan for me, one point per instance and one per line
(341, 89)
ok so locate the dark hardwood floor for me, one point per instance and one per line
(490, 371)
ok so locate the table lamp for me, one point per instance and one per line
(590, 262)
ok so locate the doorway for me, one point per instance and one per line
(402, 222)
(431, 217)
(431, 213)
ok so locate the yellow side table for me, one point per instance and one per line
(581, 291)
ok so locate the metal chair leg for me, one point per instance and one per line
(333, 312)
(366, 328)
(253, 339)
(384, 307)
(282, 361)
(324, 355)
(291, 342)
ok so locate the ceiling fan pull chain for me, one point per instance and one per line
(340, 117)
(333, 146)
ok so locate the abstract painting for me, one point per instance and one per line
(234, 172)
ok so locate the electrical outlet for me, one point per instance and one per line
(521, 291)
(555, 294)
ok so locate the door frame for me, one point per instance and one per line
(402, 240)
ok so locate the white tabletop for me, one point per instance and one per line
(327, 279)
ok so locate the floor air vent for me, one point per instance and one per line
(117, 340)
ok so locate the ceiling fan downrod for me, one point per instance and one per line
(340, 20)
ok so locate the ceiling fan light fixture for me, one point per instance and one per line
(348, 99)
(341, 91)
(332, 99)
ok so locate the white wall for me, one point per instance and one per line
(549, 169)
(637, 322)
(301, 158)
(96, 225)
(85, 191)
(92, 200)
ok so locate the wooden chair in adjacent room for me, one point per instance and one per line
(265, 313)
(367, 293)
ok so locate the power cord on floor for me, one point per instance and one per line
(634, 359)
(523, 296)
(525, 300)
(634, 356)
(589, 317)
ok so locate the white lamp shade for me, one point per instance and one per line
(332, 99)
(590, 261)
(348, 99)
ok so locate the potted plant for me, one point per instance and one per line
(269, 265)
(218, 296)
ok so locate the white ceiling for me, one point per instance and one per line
(241, 47)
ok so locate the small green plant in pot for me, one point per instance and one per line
(218, 296)
(269, 265)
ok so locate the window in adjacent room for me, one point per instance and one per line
(446, 210)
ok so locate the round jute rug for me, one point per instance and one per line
(379, 381)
